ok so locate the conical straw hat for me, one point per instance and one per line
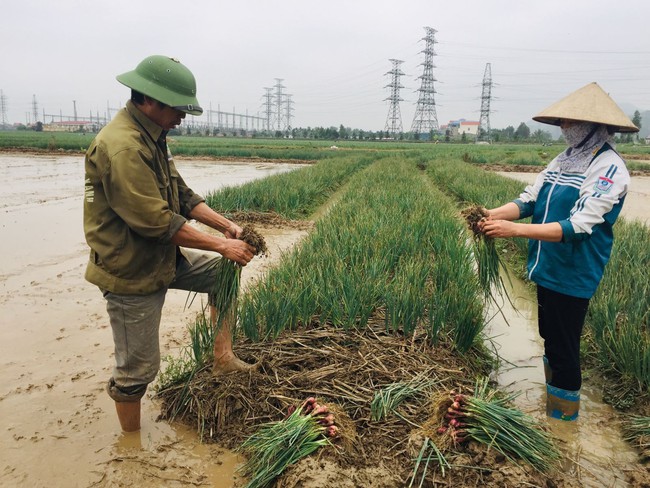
(589, 104)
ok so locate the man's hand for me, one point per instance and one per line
(237, 251)
(204, 214)
(234, 249)
(233, 231)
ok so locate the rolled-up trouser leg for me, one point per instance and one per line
(135, 321)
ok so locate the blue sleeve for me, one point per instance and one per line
(569, 234)
(525, 209)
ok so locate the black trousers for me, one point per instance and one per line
(561, 318)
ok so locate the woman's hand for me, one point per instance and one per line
(550, 232)
(499, 228)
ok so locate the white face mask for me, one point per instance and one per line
(576, 133)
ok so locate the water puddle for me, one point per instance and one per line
(595, 452)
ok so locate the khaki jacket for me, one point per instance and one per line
(134, 202)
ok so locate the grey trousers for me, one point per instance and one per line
(135, 322)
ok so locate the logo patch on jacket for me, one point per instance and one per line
(603, 185)
(89, 191)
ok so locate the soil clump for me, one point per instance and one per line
(269, 219)
(250, 236)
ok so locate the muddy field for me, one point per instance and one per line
(59, 425)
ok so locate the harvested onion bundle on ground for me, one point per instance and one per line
(488, 420)
(487, 257)
(321, 413)
(388, 399)
(637, 432)
(278, 445)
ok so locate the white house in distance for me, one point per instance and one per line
(70, 126)
(468, 127)
(456, 128)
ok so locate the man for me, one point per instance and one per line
(574, 204)
(136, 212)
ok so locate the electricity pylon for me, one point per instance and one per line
(268, 107)
(279, 103)
(3, 109)
(483, 131)
(426, 119)
(394, 119)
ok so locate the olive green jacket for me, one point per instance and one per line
(134, 202)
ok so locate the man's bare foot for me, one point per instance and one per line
(230, 363)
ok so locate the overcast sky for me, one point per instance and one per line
(332, 55)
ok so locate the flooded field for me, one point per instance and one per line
(59, 426)
(595, 451)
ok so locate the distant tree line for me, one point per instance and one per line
(522, 134)
(509, 134)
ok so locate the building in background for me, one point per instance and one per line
(71, 126)
(468, 127)
(456, 128)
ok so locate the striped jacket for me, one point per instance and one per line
(586, 205)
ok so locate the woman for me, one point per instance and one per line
(574, 204)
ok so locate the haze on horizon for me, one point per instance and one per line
(332, 57)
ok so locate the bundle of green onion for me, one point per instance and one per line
(488, 420)
(278, 445)
(488, 261)
(637, 432)
(386, 400)
(228, 273)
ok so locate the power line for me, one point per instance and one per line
(554, 51)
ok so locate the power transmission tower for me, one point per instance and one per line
(34, 108)
(268, 107)
(394, 119)
(426, 119)
(288, 110)
(279, 100)
(3, 109)
(483, 131)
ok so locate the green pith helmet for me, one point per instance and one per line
(166, 80)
